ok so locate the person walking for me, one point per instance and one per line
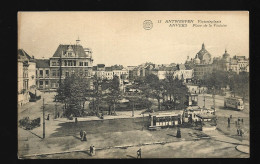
(139, 153)
(81, 133)
(76, 120)
(178, 133)
(84, 136)
(228, 121)
(48, 117)
(238, 132)
(93, 150)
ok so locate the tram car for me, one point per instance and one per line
(234, 103)
(162, 120)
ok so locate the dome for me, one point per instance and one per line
(203, 52)
(226, 56)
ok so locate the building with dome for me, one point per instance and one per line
(202, 63)
(227, 63)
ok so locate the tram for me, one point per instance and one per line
(234, 102)
(165, 120)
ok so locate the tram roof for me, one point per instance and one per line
(175, 113)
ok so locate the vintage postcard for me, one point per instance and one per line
(144, 84)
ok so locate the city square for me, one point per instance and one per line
(170, 99)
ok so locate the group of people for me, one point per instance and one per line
(239, 130)
(83, 135)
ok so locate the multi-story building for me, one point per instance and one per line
(181, 72)
(26, 76)
(236, 64)
(43, 74)
(202, 63)
(67, 60)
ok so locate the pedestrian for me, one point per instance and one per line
(84, 136)
(76, 120)
(48, 117)
(139, 153)
(228, 121)
(81, 133)
(242, 120)
(178, 133)
(58, 115)
(238, 132)
(93, 150)
(230, 116)
(241, 132)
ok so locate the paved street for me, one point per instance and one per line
(121, 136)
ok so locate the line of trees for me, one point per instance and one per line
(238, 83)
(74, 91)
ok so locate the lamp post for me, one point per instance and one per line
(43, 120)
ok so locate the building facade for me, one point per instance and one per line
(67, 60)
(26, 77)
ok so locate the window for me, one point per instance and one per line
(65, 62)
(67, 73)
(86, 72)
(47, 72)
(53, 63)
(80, 63)
(41, 72)
(85, 63)
(74, 62)
(69, 54)
(54, 73)
(46, 82)
(41, 82)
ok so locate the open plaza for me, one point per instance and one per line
(121, 135)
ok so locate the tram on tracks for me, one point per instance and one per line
(162, 120)
(234, 103)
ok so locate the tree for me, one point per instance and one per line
(155, 89)
(176, 90)
(115, 93)
(72, 92)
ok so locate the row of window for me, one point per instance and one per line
(70, 63)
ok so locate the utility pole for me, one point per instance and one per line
(55, 113)
(43, 120)
(204, 99)
(133, 109)
(214, 99)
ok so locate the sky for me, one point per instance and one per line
(120, 38)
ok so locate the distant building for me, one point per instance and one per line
(236, 64)
(201, 64)
(26, 76)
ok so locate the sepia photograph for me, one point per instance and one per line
(133, 84)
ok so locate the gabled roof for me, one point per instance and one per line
(78, 50)
(42, 63)
(23, 55)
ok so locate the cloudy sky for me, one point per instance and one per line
(119, 37)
